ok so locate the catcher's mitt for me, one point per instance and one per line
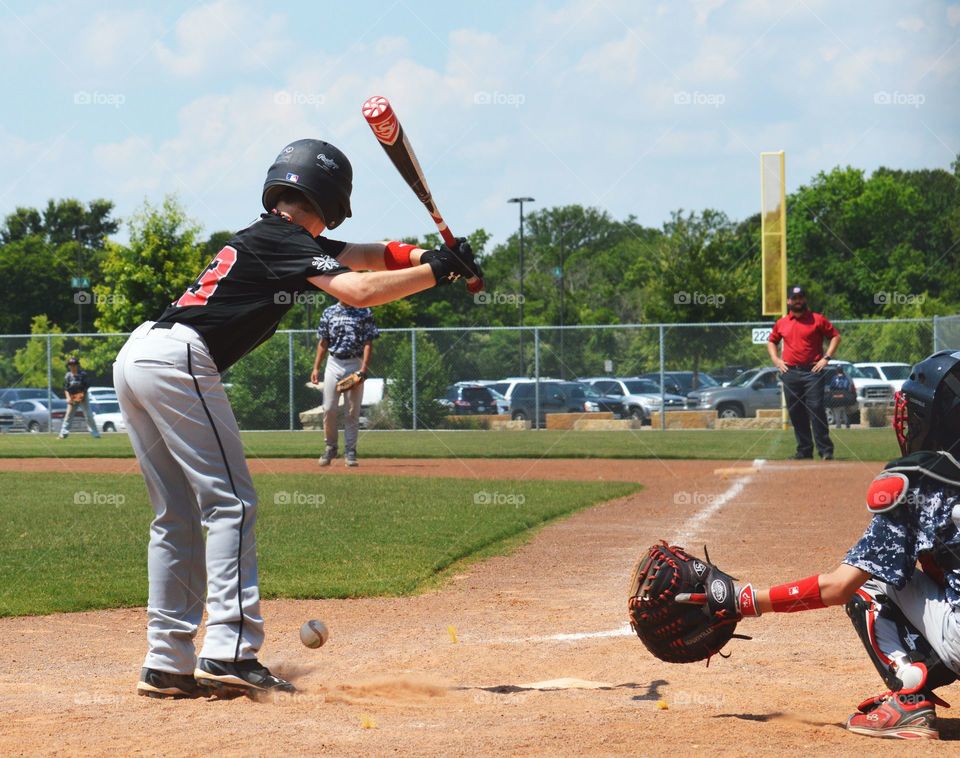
(350, 381)
(77, 397)
(676, 632)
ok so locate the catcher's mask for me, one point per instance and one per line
(927, 408)
(318, 170)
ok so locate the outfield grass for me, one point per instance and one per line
(78, 542)
(851, 444)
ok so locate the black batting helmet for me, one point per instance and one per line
(317, 169)
(927, 413)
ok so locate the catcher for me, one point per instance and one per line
(75, 386)
(346, 336)
(908, 619)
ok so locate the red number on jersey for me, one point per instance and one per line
(203, 288)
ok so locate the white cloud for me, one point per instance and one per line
(705, 7)
(118, 39)
(225, 35)
(911, 24)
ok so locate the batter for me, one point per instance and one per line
(183, 429)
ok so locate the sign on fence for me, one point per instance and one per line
(761, 335)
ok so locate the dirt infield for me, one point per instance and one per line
(526, 654)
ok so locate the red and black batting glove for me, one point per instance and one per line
(450, 264)
(725, 601)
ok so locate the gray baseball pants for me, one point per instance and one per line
(188, 445)
(337, 369)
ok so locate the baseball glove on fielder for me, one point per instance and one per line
(350, 381)
(77, 397)
(672, 612)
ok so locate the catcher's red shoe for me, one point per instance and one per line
(897, 716)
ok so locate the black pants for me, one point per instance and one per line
(804, 390)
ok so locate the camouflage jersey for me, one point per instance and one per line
(924, 526)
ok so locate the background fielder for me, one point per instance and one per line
(183, 429)
(345, 335)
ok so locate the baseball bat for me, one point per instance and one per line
(389, 132)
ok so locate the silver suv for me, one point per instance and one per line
(640, 397)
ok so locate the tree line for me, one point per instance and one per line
(885, 244)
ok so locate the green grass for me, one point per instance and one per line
(317, 536)
(852, 444)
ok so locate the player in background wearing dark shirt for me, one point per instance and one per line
(183, 429)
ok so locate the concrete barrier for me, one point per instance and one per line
(507, 424)
(685, 419)
(748, 423)
(605, 425)
(566, 421)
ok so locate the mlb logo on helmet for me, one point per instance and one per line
(293, 177)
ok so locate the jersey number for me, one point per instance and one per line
(203, 288)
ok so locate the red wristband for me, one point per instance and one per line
(801, 595)
(397, 255)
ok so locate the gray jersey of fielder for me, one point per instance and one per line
(188, 443)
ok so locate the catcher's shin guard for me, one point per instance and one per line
(903, 657)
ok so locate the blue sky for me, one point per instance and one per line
(636, 107)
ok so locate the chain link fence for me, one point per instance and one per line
(412, 370)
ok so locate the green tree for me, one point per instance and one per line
(31, 359)
(432, 381)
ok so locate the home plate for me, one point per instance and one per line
(567, 683)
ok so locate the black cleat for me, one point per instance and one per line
(803, 457)
(154, 683)
(241, 677)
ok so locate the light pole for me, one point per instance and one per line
(563, 238)
(521, 201)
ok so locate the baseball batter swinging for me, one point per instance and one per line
(183, 429)
(907, 618)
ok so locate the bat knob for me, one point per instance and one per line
(475, 285)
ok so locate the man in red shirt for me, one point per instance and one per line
(801, 370)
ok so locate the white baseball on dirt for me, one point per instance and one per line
(314, 633)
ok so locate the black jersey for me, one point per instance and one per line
(238, 300)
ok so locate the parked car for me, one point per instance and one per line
(102, 394)
(682, 382)
(753, 390)
(11, 420)
(640, 397)
(893, 374)
(107, 415)
(464, 398)
(38, 414)
(869, 391)
(595, 401)
(555, 397)
(9, 395)
(727, 374)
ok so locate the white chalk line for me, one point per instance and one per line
(684, 535)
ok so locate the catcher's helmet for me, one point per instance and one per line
(927, 412)
(317, 169)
